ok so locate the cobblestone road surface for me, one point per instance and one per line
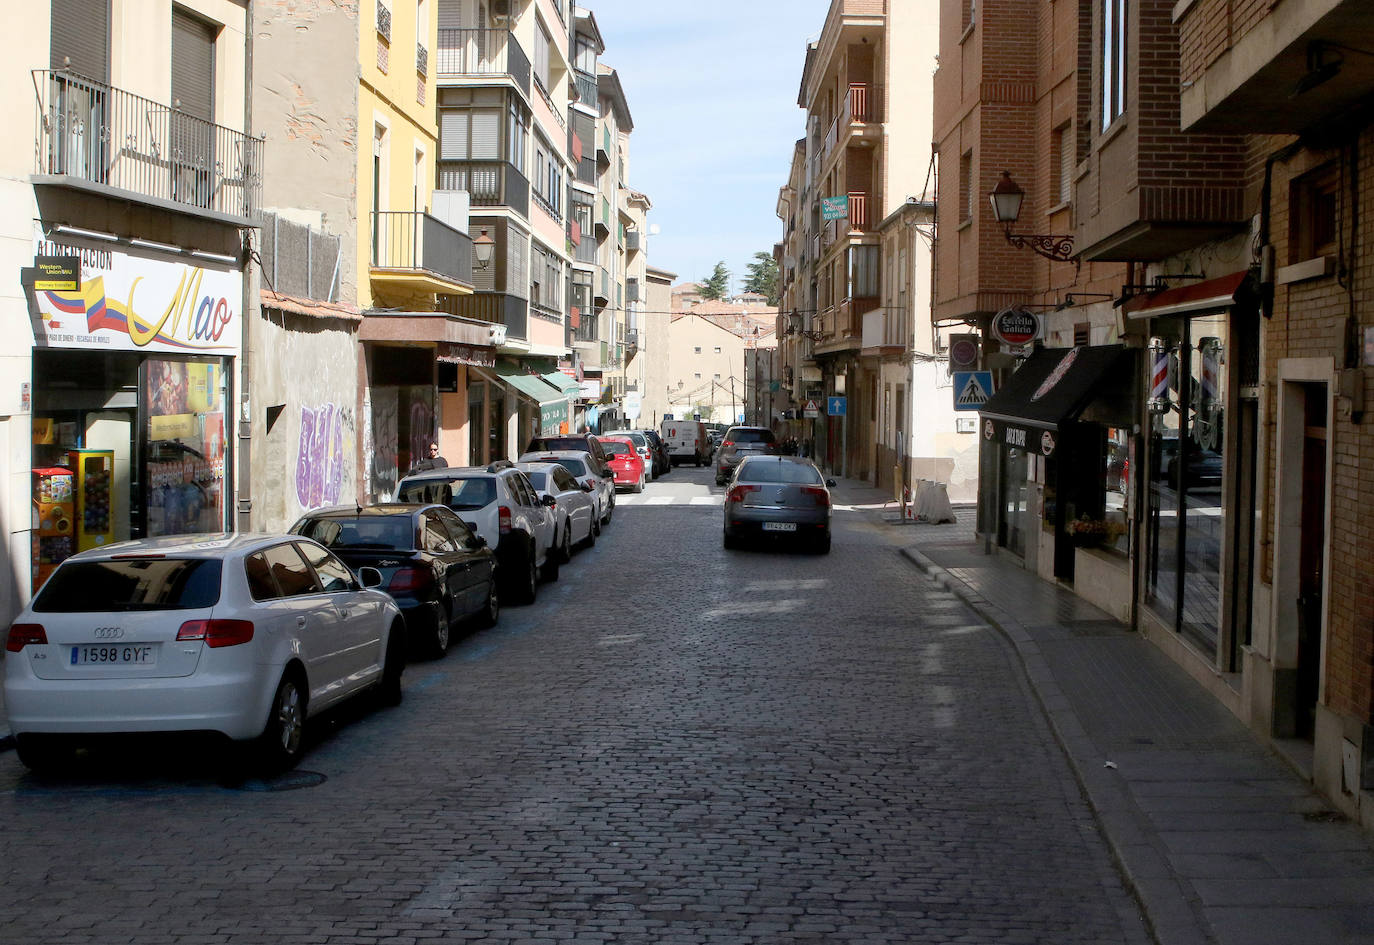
(675, 744)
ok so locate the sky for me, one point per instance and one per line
(712, 88)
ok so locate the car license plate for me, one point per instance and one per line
(780, 526)
(114, 655)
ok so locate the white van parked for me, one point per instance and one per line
(686, 442)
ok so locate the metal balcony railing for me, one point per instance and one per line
(860, 104)
(496, 307)
(488, 183)
(482, 52)
(93, 132)
(414, 240)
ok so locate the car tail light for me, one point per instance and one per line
(728, 443)
(23, 634)
(410, 579)
(217, 633)
(503, 519)
(821, 495)
(737, 493)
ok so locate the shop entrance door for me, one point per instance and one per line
(1311, 554)
(1011, 524)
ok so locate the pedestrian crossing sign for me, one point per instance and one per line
(971, 389)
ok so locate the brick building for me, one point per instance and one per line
(1205, 165)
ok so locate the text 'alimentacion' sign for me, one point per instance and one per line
(136, 303)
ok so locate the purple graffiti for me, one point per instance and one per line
(421, 429)
(320, 459)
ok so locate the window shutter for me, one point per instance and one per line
(81, 33)
(517, 269)
(453, 136)
(486, 136)
(193, 66)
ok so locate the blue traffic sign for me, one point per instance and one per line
(834, 406)
(971, 389)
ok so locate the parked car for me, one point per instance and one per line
(247, 636)
(782, 497)
(601, 484)
(1202, 471)
(575, 509)
(498, 503)
(641, 445)
(586, 442)
(662, 464)
(438, 571)
(740, 442)
(686, 442)
(624, 462)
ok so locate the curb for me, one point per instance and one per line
(1134, 844)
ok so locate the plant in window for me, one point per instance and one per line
(1094, 531)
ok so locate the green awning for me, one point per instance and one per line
(531, 385)
(568, 385)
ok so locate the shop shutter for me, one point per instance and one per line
(81, 33)
(193, 65)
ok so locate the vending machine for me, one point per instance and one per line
(54, 510)
(94, 481)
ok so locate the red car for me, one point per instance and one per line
(624, 461)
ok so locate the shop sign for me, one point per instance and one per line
(591, 388)
(552, 416)
(53, 274)
(454, 353)
(1015, 327)
(133, 303)
(834, 208)
(1020, 438)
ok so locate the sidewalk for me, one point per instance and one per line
(1221, 841)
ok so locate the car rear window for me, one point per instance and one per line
(538, 479)
(131, 584)
(561, 442)
(798, 473)
(616, 449)
(752, 436)
(462, 494)
(574, 466)
(371, 531)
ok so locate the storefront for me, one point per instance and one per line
(132, 371)
(1201, 379)
(1055, 458)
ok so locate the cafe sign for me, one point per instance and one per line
(1015, 327)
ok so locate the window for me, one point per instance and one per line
(293, 575)
(1113, 60)
(584, 59)
(433, 536)
(541, 57)
(696, 377)
(966, 188)
(863, 272)
(1062, 164)
(717, 350)
(1312, 219)
(546, 278)
(548, 178)
(333, 573)
(715, 377)
(1082, 334)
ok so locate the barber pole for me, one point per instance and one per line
(1159, 376)
(1210, 349)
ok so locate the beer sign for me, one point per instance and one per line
(1015, 327)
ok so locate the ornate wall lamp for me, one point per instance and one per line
(1006, 200)
(794, 322)
(482, 246)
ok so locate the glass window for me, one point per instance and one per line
(1113, 87)
(458, 529)
(292, 574)
(455, 493)
(537, 479)
(184, 476)
(261, 584)
(434, 536)
(131, 584)
(333, 573)
(863, 271)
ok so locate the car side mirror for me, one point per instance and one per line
(587, 487)
(830, 482)
(548, 500)
(607, 474)
(478, 541)
(369, 577)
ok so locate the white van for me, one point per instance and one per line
(686, 442)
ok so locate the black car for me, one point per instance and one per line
(585, 442)
(438, 571)
(662, 463)
(739, 442)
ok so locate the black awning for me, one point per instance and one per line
(1053, 387)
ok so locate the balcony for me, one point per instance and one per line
(859, 107)
(496, 307)
(413, 250)
(481, 53)
(102, 139)
(1251, 84)
(586, 88)
(488, 183)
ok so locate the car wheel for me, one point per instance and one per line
(549, 572)
(565, 550)
(729, 541)
(638, 487)
(822, 544)
(439, 645)
(282, 741)
(492, 611)
(41, 753)
(394, 664)
(610, 510)
(529, 579)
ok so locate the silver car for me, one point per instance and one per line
(779, 497)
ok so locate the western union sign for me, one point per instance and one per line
(54, 274)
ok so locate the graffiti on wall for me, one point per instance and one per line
(322, 457)
(385, 440)
(421, 424)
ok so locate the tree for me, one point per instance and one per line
(718, 285)
(763, 277)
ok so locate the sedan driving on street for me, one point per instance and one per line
(781, 497)
(433, 566)
(246, 636)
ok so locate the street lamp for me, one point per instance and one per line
(482, 247)
(1006, 200)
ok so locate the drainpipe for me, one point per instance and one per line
(243, 460)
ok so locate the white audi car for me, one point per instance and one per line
(242, 635)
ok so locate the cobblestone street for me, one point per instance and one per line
(676, 743)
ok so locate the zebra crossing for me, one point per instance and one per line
(650, 499)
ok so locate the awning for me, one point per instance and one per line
(554, 408)
(565, 382)
(1208, 295)
(1053, 387)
